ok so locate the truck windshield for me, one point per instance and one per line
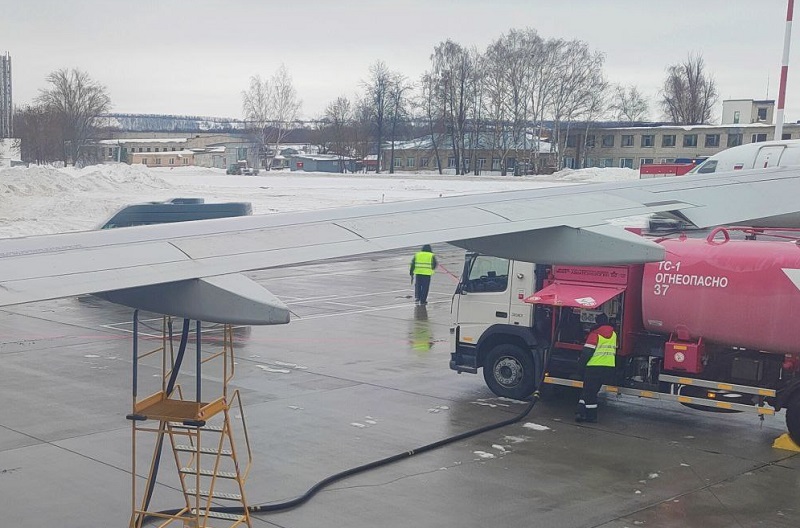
(706, 167)
(486, 274)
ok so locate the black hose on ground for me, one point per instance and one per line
(293, 503)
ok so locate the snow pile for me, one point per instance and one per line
(42, 200)
(597, 174)
(115, 177)
(49, 181)
(19, 182)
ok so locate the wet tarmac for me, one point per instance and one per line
(361, 374)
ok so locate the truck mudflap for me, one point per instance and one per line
(461, 362)
(711, 403)
(787, 394)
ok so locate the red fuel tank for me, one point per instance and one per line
(732, 292)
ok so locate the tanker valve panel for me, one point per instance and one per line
(684, 356)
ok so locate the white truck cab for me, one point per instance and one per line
(785, 153)
(493, 325)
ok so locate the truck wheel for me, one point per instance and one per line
(509, 372)
(793, 418)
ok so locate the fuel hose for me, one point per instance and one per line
(297, 501)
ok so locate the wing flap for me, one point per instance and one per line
(588, 246)
(233, 299)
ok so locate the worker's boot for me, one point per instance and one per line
(580, 414)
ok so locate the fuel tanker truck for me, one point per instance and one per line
(715, 326)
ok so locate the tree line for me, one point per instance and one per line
(503, 98)
(522, 87)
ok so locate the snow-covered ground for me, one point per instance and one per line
(41, 200)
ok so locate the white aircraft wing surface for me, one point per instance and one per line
(200, 261)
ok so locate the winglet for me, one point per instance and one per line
(599, 245)
(231, 299)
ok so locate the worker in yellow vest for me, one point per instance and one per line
(422, 266)
(598, 359)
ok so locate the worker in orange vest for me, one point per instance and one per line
(599, 357)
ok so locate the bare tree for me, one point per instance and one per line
(339, 117)
(515, 68)
(273, 108)
(628, 104)
(580, 75)
(433, 113)
(378, 85)
(40, 134)
(362, 127)
(454, 72)
(547, 72)
(476, 109)
(398, 108)
(596, 106)
(74, 101)
(689, 92)
(495, 100)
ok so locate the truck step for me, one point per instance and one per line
(703, 402)
(746, 389)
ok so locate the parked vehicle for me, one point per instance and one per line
(241, 168)
(660, 170)
(175, 210)
(712, 327)
(784, 153)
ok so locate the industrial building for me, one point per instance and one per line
(743, 121)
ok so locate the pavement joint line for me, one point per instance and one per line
(689, 446)
(40, 318)
(331, 274)
(355, 312)
(122, 323)
(62, 448)
(398, 479)
(120, 327)
(337, 303)
(326, 297)
(716, 497)
(260, 361)
(705, 487)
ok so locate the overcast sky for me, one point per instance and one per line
(195, 57)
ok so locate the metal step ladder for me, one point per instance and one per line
(202, 436)
(207, 463)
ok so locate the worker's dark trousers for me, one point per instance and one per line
(593, 379)
(422, 283)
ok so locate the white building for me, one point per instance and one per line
(747, 111)
(9, 152)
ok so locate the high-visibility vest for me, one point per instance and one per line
(604, 352)
(423, 263)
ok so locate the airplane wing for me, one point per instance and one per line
(197, 264)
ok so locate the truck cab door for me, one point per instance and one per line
(489, 294)
(768, 156)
